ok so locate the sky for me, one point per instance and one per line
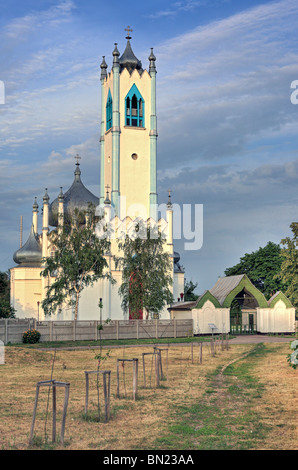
(227, 126)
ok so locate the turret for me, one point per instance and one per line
(35, 216)
(45, 224)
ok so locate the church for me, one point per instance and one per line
(128, 192)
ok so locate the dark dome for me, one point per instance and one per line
(77, 197)
(129, 60)
(177, 266)
(29, 254)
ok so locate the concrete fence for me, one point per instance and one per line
(11, 330)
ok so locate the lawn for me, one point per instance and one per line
(244, 397)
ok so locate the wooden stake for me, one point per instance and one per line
(34, 414)
(66, 396)
(53, 384)
(54, 415)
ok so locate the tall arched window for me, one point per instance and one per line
(109, 111)
(134, 108)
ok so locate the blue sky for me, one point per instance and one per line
(227, 127)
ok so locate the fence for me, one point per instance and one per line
(11, 330)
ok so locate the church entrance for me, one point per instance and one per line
(243, 314)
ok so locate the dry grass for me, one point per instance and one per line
(134, 424)
(278, 406)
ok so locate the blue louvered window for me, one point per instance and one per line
(109, 111)
(134, 108)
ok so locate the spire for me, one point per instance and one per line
(116, 55)
(169, 204)
(46, 197)
(61, 195)
(77, 170)
(107, 199)
(152, 59)
(35, 205)
(103, 67)
(128, 60)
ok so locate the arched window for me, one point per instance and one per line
(109, 111)
(134, 108)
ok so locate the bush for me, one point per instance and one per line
(31, 336)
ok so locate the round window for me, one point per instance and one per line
(134, 156)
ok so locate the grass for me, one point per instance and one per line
(113, 342)
(219, 404)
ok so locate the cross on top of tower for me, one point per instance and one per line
(107, 199)
(169, 198)
(77, 158)
(129, 30)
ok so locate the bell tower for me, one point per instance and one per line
(129, 134)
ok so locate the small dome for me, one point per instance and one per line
(77, 197)
(29, 254)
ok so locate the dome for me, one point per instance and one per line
(29, 254)
(177, 266)
(77, 197)
(129, 60)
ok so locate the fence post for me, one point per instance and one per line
(95, 329)
(135, 378)
(156, 328)
(175, 328)
(6, 330)
(74, 329)
(117, 329)
(137, 329)
(51, 330)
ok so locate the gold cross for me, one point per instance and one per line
(129, 30)
(77, 158)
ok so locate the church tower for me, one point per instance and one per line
(129, 134)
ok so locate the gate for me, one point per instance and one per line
(250, 329)
(247, 325)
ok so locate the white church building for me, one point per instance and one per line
(127, 180)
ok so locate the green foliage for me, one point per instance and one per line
(78, 261)
(146, 272)
(31, 336)
(189, 288)
(262, 267)
(235, 312)
(289, 267)
(293, 358)
(6, 309)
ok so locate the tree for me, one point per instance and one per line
(289, 267)
(189, 288)
(263, 269)
(146, 272)
(6, 309)
(77, 262)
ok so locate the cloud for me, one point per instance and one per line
(225, 86)
(178, 7)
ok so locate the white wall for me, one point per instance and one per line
(210, 314)
(278, 319)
